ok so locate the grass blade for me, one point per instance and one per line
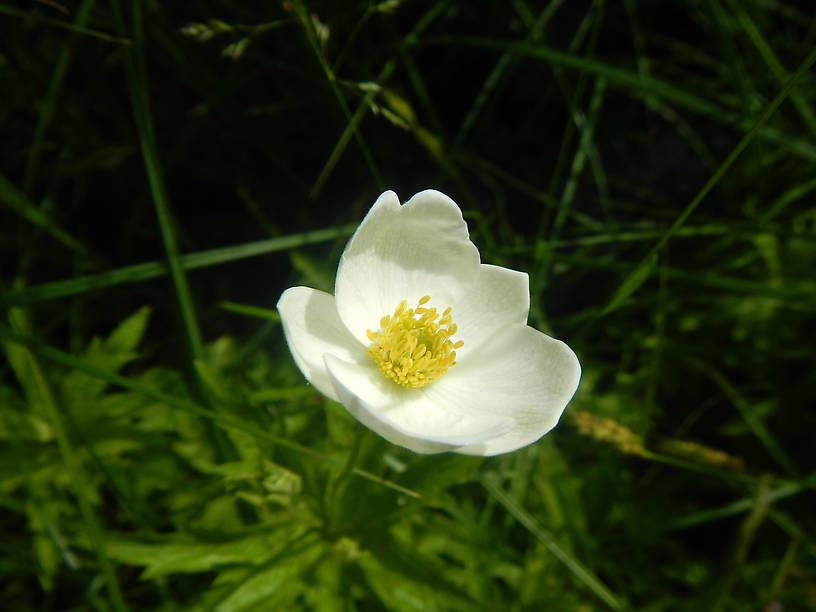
(137, 81)
(495, 76)
(351, 126)
(153, 269)
(72, 27)
(17, 201)
(633, 281)
(775, 66)
(544, 250)
(353, 121)
(576, 567)
(642, 86)
(47, 110)
(732, 509)
(753, 423)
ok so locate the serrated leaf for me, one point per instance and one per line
(181, 555)
(19, 358)
(18, 421)
(273, 585)
(128, 334)
(212, 380)
(79, 389)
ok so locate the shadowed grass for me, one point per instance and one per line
(353, 121)
(575, 566)
(57, 79)
(72, 27)
(640, 86)
(17, 201)
(635, 279)
(135, 72)
(649, 166)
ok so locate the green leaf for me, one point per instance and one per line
(78, 389)
(43, 520)
(19, 359)
(181, 554)
(213, 381)
(404, 580)
(128, 334)
(275, 584)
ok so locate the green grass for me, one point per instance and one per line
(168, 170)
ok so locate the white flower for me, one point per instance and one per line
(423, 343)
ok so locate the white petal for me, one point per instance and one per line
(403, 253)
(523, 374)
(312, 327)
(408, 417)
(499, 298)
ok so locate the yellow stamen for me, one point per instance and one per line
(413, 346)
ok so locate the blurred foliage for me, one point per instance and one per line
(169, 168)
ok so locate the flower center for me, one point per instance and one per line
(413, 346)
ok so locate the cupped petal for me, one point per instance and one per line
(499, 298)
(404, 252)
(522, 374)
(312, 328)
(409, 417)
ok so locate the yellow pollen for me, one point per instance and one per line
(413, 346)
